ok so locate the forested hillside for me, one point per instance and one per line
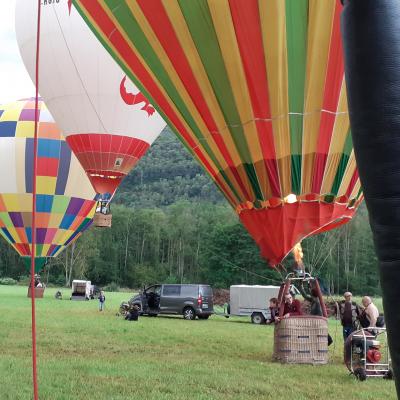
(171, 224)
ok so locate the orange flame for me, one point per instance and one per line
(298, 254)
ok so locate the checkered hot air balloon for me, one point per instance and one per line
(256, 91)
(107, 122)
(65, 198)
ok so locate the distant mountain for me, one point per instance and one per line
(166, 174)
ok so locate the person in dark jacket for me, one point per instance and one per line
(274, 309)
(102, 300)
(349, 313)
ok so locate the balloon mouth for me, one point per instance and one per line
(105, 174)
(275, 202)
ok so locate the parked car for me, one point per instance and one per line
(191, 301)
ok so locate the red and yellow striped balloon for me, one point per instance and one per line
(255, 89)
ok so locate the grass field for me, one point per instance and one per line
(84, 354)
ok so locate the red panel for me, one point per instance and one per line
(99, 153)
(277, 230)
(47, 166)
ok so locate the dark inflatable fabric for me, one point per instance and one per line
(371, 40)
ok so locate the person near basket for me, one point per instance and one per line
(273, 309)
(349, 313)
(292, 307)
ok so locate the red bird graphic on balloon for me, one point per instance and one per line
(131, 98)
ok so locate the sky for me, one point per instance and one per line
(15, 82)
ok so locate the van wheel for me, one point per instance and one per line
(257, 318)
(188, 313)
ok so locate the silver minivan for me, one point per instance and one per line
(187, 300)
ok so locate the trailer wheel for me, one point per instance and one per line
(360, 374)
(257, 318)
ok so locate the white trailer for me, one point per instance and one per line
(252, 301)
(81, 290)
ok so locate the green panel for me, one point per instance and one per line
(296, 36)
(348, 145)
(339, 174)
(5, 218)
(296, 173)
(60, 204)
(40, 262)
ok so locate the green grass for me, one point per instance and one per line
(84, 354)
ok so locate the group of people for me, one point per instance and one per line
(352, 315)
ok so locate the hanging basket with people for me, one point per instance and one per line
(298, 338)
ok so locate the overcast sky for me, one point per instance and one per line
(15, 82)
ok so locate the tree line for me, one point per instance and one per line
(201, 242)
(171, 224)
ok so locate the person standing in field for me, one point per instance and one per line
(370, 314)
(349, 314)
(102, 300)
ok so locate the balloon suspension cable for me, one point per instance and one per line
(246, 270)
(33, 248)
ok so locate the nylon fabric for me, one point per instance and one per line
(371, 38)
(64, 201)
(254, 89)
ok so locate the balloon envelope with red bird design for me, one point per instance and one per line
(107, 122)
(256, 91)
(65, 199)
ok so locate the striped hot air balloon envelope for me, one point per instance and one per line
(108, 123)
(65, 201)
(256, 91)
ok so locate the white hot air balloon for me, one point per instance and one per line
(107, 122)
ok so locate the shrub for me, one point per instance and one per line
(112, 287)
(7, 281)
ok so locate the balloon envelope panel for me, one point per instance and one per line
(65, 199)
(256, 91)
(108, 123)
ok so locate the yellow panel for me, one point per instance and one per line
(59, 237)
(321, 15)
(338, 140)
(45, 249)
(25, 129)
(11, 114)
(46, 185)
(273, 23)
(356, 189)
(55, 220)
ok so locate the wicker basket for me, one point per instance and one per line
(39, 291)
(301, 340)
(102, 220)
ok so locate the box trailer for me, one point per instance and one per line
(81, 290)
(252, 301)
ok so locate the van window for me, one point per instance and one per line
(189, 291)
(206, 290)
(171, 290)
